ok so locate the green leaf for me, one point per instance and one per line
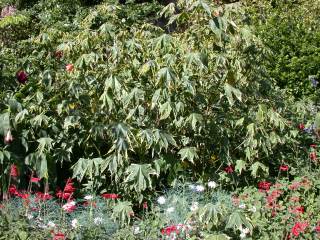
(165, 110)
(236, 220)
(230, 91)
(240, 166)
(189, 153)
(139, 175)
(45, 144)
(256, 166)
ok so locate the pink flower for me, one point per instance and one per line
(69, 206)
(284, 168)
(313, 156)
(301, 126)
(35, 180)
(69, 67)
(299, 227)
(229, 169)
(59, 236)
(313, 145)
(7, 11)
(317, 228)
(145, 205)
(22, 77)
(298, 210)
(14, 171)
(264, 185)
(110, 195)
(8, 138)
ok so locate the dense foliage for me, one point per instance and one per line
(136, 100)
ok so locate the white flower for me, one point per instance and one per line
(170, 209)
(245, 230)
(212, 184)
(136, 230)
(194, 206)
(242, 206)
(242, 235)
(98, 220)
(199, 188)
(88, 197)
(29, 216)
(192, 187)
(161, 200)
(253, 209)
(74, 223)
(51, 224)
(123, 20)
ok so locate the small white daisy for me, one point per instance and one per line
(242, 206)
(74, 223)
(194, 206)
(88, 197)
(97, 220)
(212, 184)
(170, 209)
(161, 200)
(199, 188)
(51, 224)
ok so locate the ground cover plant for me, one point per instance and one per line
(154, 120)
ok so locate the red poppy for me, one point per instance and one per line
(69, 67)
(59, 236)
(313, 156)
(35, 180)
(301, 126)
(284, 168)
(299, 227)
(14, 171)
(229, 169)
(22, 77)
(110, 195)
(264, 185)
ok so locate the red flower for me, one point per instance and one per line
(69, 186)
(317, 228)
(313, 156)
(23, 195)
(13, 190)
(35, 180)
(313, 145)
(301, 126)
(67, 191)
(8, 138)
(69, 206)
(264, 185)
(170, 229)
(64, 195)
(145, 205)
(299, 227)
(59, 236)
(43, 196)
(14, 171)
(229, 169)
(22, 77)
(284, 168)
(110, 195)
(69, 67)
(298, 210)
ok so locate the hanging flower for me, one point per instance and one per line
(110, 195)
(145, 205)
(299, 227)
(22, 77)
(69, 67)
(313, 156)
(14, 171)
(8, 138)
(284, 168)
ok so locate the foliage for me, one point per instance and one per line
(290, 29)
